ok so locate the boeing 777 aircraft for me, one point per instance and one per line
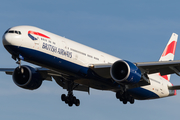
(78, 67)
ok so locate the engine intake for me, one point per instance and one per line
(27, 77)
(123, 71)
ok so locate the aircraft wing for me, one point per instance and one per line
(47, 74)
(103, 70)
(43, 72)
(162, 67)
(8, 71)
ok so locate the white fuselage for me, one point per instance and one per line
(76, 53)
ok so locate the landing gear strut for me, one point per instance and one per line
(70, 99)
(21, 70)
(124, 97)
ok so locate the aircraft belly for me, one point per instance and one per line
(142, 94)
(83, 74)
(49, 61)
(96, 84)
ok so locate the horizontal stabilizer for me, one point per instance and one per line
(177, 87)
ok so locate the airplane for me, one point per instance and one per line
(75, 66)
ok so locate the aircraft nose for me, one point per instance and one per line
(11, 39)
(7, 39)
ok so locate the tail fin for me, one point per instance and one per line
(169, 51)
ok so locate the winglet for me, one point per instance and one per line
(169, 52)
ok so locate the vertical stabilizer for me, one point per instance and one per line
(169, 52)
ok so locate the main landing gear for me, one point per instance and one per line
(124, 97)
(70, 99)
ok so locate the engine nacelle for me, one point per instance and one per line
(125, 72)
(27, 77)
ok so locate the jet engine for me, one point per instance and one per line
(27, 77)
(125, 72)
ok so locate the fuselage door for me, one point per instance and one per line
(34, 36)
(102, 59)
(36, 43)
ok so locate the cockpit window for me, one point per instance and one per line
(13, 31)
(7, 31)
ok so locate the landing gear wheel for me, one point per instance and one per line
(124, 101)
(70, 104)
(70, 100)
(125, 97)
(63, 97)
(74, 99)
(66, 101)
(131, 100)
(118, 95)
(121, 98)
(77, 102)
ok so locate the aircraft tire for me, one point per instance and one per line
(74, 99)
(70, 104)
(77, 102)
(118, 95)
(63, 97)
(124, 101)
(132, 100)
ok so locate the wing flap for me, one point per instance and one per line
(102, 70)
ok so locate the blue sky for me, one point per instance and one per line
(135, 30)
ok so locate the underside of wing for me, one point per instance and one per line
(47, 74)
(102, 70)
(162, 67)
(8, 71)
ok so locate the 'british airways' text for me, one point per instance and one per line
(56, 50)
